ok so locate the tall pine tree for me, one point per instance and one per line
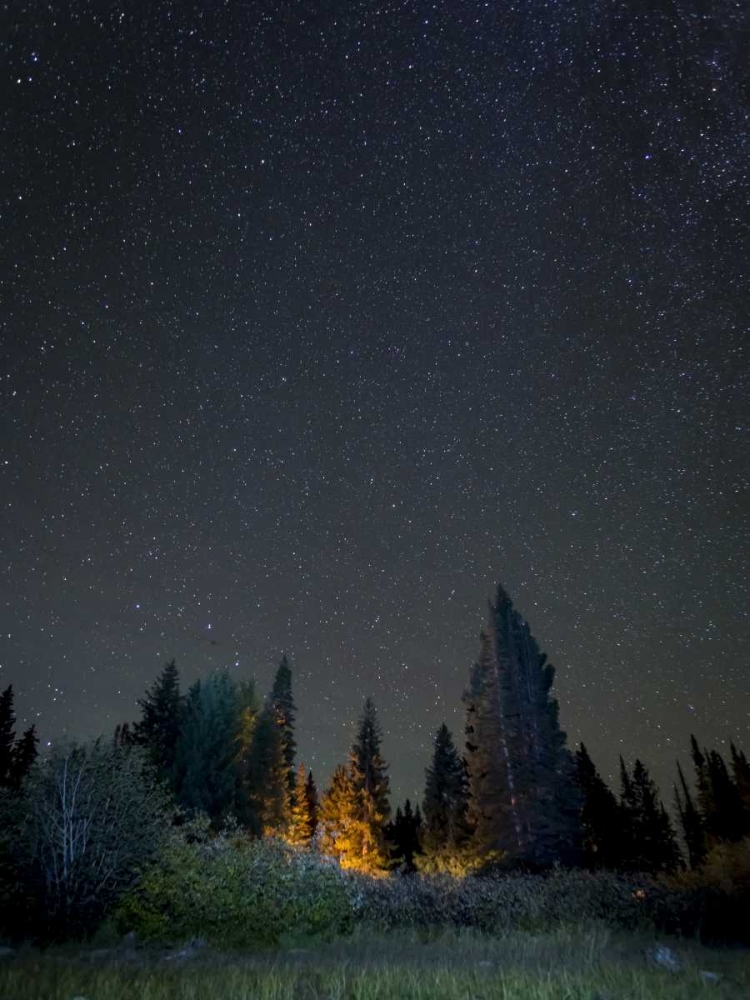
(303, 819)
(524, 800)
(693, 833)
(25, 752)
(650, 844)
(283, 709)
(158, 729)
(600, 815)
(205, 758)
(445, 832)
(267, 779)
(7, 735)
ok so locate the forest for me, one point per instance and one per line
(198, 820)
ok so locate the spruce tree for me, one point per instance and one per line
(342, 829)
(404, 837)
(311, 795)
(370, 779)
(445, 829)
(267, 779)
(741, 772)
(25, 752)
(283, 708)
(206, 775)
(727, 821)
(7, 735)
(158, 729)
(524, 801)
(302, 820)
(691, 823)
(600, 815)
(650, 844)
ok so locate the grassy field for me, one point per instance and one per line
(564, 965)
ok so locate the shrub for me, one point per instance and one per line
(235, 892)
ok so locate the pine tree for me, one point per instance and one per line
(311, 794)
(283, 708)
(248, 711)
(600, 815)
(123, 736)
(206, 776)
(370, 779)
(741, 772)
(524, 801)
(267, 779)
(341, 826)
(727, 822)
(693, 833)
(404, 836)
(159, 728)
(7, 735)
(650, 844)
(302, 817)
(25, 752)
(446, 833)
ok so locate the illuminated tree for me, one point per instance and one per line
(302, 820)
(267, 778)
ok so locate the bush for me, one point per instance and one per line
(235, 893)
(494, 903)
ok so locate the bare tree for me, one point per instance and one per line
(94, 814)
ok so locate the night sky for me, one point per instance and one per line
(318, 319)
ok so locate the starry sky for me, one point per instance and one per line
(318, 319)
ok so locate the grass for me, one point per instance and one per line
(566, 964)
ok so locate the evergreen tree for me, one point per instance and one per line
(283, 708)
(524, 800)
(206, 776)
(159, 727)
(650, 844)
(693, 833)
(267, 780)
(248, 711)
(311, 794)
(302, 820)
(445, 806)
(741, 772)
(369, 777)
(600, 815)
(342, 830)
(727, 821)
(404, 836)
(7, 735)
(25, 752)
(123, 736)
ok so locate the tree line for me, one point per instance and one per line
(513, 795)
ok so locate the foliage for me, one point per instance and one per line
(88, 816)
(303, 817)
(266, 780)
(404, 836)
(205, 757)
(235, 892)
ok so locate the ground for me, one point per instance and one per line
(568, 964)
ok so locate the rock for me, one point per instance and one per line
(710, 977)
(486, 964)
(189, 951)
(129, 941)
(665, 957)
